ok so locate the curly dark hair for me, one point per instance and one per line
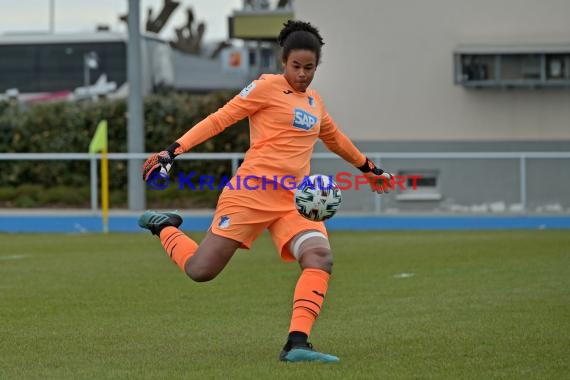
(300, 35)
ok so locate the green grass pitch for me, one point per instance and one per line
(401, 305)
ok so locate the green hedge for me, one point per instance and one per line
(69, 127)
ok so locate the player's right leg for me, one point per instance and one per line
(312, 250)
(306, 242)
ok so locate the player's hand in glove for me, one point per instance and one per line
(161, 161)
(380, 181)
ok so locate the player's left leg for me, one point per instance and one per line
(165, 225)
(232, 228)
(311, 248)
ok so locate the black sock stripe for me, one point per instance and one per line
(322, 295)
(171, 239)
(172, 251)
(304, 299)
(315, 314)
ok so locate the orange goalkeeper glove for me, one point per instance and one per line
(160, 162)
(380, 180)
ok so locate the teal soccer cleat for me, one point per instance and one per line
(305, 353)
(156, 221)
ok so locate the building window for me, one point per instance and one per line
(420, 185)
(512, 66)
(58, 66)
(477, 67)
(557, 66)
(520, 66)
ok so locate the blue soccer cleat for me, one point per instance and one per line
(305, 353)
(156, 221)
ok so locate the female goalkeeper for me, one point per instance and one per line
(286, 118)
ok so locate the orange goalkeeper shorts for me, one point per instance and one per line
(242, 215)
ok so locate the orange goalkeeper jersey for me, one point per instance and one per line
(284, 126)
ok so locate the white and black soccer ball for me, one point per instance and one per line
(318, 197)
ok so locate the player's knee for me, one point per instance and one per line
(199, 273)
(319, 258)
(200, 276)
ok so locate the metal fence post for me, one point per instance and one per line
(523, 182)
(234, 165)
(93, 180)
(377, 197)
(135, 122)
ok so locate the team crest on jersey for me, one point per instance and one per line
(246, 90)
(224, 222)
(304, 120)
(311, 101)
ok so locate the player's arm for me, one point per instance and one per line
(247, 102)
(337, 142)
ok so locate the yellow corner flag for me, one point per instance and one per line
(99, 140)
(99, 144)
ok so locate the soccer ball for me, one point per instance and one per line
(318, 197)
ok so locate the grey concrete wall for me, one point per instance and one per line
(387, 70)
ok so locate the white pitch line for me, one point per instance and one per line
(404, 275)
(13, 257)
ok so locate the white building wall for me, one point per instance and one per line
(387, 70)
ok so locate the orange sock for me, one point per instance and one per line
(178, 246)
(308, 299)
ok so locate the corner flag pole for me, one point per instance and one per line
(99, 144)
(105, 189)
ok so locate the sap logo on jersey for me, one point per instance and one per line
(304, 120)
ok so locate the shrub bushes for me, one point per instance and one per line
(69, 127)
